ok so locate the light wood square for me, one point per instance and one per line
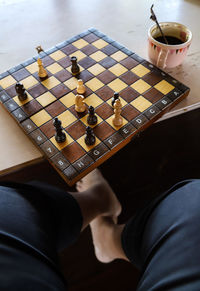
(164, 87)
(87, 148)
(57, 55)
(140, 70)
(117, 85)
(93, 100)
(66, 118)
(84, 120)
(118, 69)
(141, 104)
(41, 117)
(110, 119)
(80, 55)
(29, 82)
(7, 82)
(96, 69)
(94, 84)
(50, 82)
(121, 99)
(68, 100)
(71, 83)
(20, 103)
(46, 99)
(140, 86)
(80, 43)
(62, 145)
(54, 68)
(100, 43)
(98, 56)
(119, 56)
(32, 68)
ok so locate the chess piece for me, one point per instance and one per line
(92, 118)
(42, 73)
(115, 97)
(60, 136)
(20, 90)
(75, 67)
(39, 49)
(80, 103)
(80, 87)
(117, 119)
(90, 137)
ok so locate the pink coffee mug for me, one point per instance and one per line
(168, 55)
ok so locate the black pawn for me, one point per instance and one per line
(60, 135)
(90, 137)
(92, 118)
(115, 97)
(74, 68)
(20, 90)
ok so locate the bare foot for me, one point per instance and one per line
(106, 233)
(97, 185)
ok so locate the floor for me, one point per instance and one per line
(166, 152)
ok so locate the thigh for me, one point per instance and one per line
(166, 243)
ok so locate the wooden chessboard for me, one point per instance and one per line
(145, 91)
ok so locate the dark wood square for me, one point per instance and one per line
(37, 90)
(129, 78)
(107, 62)
(63, 75)
(60, 90)
(86, 76)
(77, 114)
(105, 93)
(91, 37)
(73, 152)
(129, 94)
(70, 172)
(21, 74)
(69, 49)
(76, 130)
(48, 129)
(109, 49)
(113, 140)
(11, 105)
(103, 130)
(89, 49)
(47, 61)
(129, 113)
(65, 62)
(104, 111)
(106, 77)
(152, 78)
(129, 63)
(11, 91)
(55, 108)
(87, 62)
(31, 107)
(38, 136)
(153, 95)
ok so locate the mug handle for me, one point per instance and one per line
(162, 58)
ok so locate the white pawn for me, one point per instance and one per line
(117, 119)
(80, 103)
(80, 87)
(42, 73)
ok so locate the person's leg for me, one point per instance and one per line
(106, 233)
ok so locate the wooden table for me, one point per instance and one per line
(49, 22)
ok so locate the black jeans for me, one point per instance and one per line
(163, 239)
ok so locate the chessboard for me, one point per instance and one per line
(106, 67)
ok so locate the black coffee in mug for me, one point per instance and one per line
(172, 40)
